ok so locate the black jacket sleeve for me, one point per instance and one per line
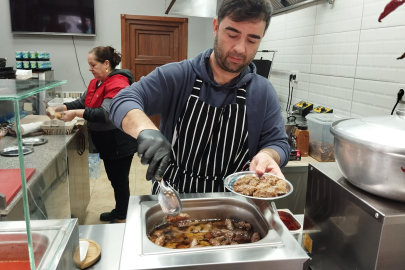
(77, 104)
(100, 114)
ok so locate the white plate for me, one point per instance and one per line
(230, 180)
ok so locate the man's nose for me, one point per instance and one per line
(240, 47)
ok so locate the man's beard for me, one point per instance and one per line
(221, 58)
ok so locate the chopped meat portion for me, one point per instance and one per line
(243, 225)
(208, 235)
(160, 241)
(218, 223)
(185, 223)
(216, 233)
(197, 229)
(158, 233)
(207, 227)
(229, 234)
(193, 243)
(242, 236)
(228, 224)
(202, 233)
(265, 192)
(266, 187)
(255, 237)
(214, 242)
(175, 219)
(226, 242)
(245, 189)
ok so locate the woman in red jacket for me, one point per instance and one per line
(116, 148)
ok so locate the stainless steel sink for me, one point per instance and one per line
(14, 247)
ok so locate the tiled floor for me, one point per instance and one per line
(102, 194)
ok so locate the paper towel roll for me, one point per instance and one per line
(29, 128)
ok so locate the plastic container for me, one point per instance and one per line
(26, 64)
(321, 140)
(19, 64)
(94, 166)
(25, 55)
(41, 65)
(33, 64)
(33, 55)
(18, 54)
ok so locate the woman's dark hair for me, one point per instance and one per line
(107, 53)
(245, 10)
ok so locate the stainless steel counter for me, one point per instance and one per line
(110, 238)
(51, 185)
(348, 228)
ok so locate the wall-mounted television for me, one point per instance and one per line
(53, 17)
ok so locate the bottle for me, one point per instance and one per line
(302, 135)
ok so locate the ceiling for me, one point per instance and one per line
(208, 8)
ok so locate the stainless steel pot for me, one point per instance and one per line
(370, 153)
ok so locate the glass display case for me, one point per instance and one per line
(36, 226)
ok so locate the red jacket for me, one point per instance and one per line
(108, 89)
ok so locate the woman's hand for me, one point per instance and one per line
(264, 163)
(68, 116)
(55, 111)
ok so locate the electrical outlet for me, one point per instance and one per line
(294, 76)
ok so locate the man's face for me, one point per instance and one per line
(236, 43)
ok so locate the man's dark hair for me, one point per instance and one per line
(245, 10)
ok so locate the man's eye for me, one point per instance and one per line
(252, 41)
(232, 36)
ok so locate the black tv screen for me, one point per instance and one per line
(65, 17)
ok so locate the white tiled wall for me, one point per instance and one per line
(343, 57)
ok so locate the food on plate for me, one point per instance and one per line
(202, 233)
(268, 186)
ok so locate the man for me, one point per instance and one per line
(216, 111)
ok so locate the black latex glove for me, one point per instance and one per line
(154, 149)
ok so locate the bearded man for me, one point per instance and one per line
(217, 114)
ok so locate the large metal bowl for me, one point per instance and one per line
(370, 153)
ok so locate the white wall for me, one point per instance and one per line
(344, 58)
(108, 28)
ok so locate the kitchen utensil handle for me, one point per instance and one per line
(273, 205)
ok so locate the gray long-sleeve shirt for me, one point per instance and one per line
(166, 90)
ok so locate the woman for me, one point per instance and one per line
(116, 148)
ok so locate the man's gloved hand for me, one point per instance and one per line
(154, 149)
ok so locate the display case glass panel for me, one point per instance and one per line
(35, 212)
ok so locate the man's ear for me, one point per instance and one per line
(215, 25)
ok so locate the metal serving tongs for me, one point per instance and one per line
(273, 205)
(169, 199)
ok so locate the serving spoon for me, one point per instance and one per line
(169, 199)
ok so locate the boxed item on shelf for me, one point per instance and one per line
(320, 139)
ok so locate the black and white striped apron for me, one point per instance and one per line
(208, 144)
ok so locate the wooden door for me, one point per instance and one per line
(148, 42)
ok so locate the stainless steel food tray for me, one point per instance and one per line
(230, 180)
(219, 209)
(34, 141)
(278, 249)
(12, 151)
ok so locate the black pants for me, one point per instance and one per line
(118, 173)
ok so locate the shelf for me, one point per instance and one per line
(19, 89)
